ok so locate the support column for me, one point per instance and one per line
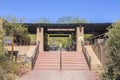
(79, 37)
(40, 38)
(38, 34)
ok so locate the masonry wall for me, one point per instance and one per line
(79, 37)
(40, 38)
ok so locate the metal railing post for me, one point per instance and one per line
(60, 58)
(35, 55)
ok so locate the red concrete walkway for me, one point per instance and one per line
(59, 75)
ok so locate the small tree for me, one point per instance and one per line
(14, 27)
(3, 59)
(113, 51)
(43, 20)
(8, 68)
(71, 19)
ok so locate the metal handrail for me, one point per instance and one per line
(87, 56)
(60, 58)
(35, 55)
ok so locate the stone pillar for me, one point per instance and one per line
(79, 37)
(38, 34)
(40, 38)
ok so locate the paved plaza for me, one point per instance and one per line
(60, 75)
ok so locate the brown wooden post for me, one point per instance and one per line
(12, 48)
(2, 34)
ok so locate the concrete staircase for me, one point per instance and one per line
(70, 61)
(48, 61)
(47, 67)
(74, 61)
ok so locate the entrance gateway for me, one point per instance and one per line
(50, 36)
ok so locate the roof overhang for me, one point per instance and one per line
(88, 27)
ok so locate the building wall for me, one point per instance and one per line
(21, 49)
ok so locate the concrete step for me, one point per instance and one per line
(47, 62)
(70, 62)
(75, 68)
(47, 68)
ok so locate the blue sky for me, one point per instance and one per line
(91, 10)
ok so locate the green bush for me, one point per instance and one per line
(32, 37)
(87, 36)
(112, 71)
